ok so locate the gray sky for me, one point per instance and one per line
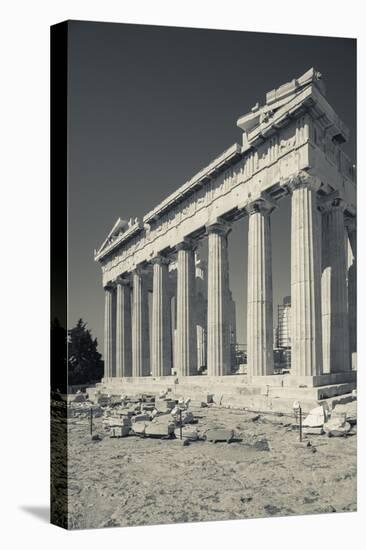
(151, 106)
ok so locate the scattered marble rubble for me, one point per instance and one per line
(165, 416)
(335, 423)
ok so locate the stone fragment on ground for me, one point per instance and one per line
(276, 419)
(262, 445)
(119, 431)
(139, 428)
(187, 433)
(141, 418)
(347, 409)
(316, 417)
(337, 427)
(220, 434)
(251, 417)
(313, 431)
(159, 429)
(164, 405)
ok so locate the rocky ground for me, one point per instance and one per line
(142, 481)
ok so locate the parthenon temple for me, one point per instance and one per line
(185, 331)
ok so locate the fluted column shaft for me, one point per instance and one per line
(218, 338)
(201, 346)
(260, 304)
(306, 326)
(352, 289)
(109, 332)
(161, 320)
(186, 342)
(140, 326)
(334, 289)
(123, 329)
(201, 311)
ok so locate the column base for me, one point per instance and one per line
(294, 381)
(263, 393)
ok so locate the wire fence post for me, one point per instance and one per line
(180, 423)
(91, 421)
(300, 414)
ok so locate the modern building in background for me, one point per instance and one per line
(282, 336)
(283, 333)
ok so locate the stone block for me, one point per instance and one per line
(141, 418)
(220, 434)
(164, 405)
(313, 431)
(115, 421)
(119, 431)
(349, 410)
(139, 428)
(315, 418)
(337, 426)
(159, 429)
(187, 433)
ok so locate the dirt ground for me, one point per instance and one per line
(142, 481)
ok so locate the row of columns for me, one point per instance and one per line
(321, 303)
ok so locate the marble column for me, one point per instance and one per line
(186, 342)
(109, 331)
(352, 289)
(260, 303)
(123, 329)
(306, 324)
(140, 325)
(161, 319)
(218, 337)
(201, 310)
(334, 288)
(201, 346)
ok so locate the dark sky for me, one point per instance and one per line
(151, 106)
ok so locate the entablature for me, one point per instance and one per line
(300, 132)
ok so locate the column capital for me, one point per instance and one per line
(331, 203)
(262, 204)
(140, 270)
(186, 244)
(125, 281)
(109, 286)
(302, 179)
(219, 226)
(160, 260)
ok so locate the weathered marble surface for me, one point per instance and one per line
(291, 145)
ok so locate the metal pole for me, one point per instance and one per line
(180, 423)
(91, 421)
(300, 412)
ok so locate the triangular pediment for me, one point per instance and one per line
(118, 228)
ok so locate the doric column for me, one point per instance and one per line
(232, 321)
(123, 329)
(218, 338)
(186, 352)
(334, 288)
(201, 346)
(140, 326)
(352, 289)
(174, 332)
(201, 312)
(161, 319)
(109, 331)
(260, 305)
(306, 326)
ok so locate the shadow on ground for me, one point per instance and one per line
(40, 512)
